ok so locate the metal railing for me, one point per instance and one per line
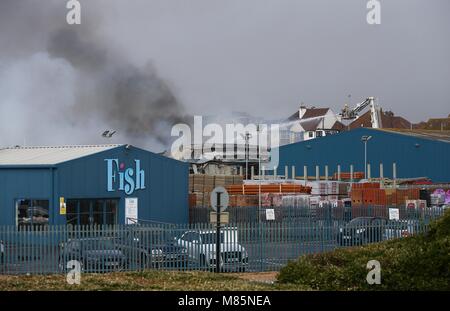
(324, 212)
(246, 246)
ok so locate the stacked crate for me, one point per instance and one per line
(368, 194)
(347, 175)
(244, 200)
(220, 180)
(201, 186)
(343, 190)
(196, 187)
(252, 189)
(391, 197)
(402, 195)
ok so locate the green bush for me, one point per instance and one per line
(421, 262)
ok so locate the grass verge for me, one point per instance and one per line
(421, 262)
(140, 281)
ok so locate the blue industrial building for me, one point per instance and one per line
(415, 154)
(85, 185)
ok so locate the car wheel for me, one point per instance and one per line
(143, 261)
(61, 267)
(364, 240)
(203, 264)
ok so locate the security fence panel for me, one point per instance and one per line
(256, 245)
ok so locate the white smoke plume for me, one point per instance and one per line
(66, 84)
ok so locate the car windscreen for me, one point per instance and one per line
(211, 237)
(398, 224)
(358, 222)
(152, 237)
(98, 244)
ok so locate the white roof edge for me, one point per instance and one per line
(63, 146)
(49, 155)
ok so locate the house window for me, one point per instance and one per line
(32, 214)
(319, 134)
(311, 134)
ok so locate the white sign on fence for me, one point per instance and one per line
(131, 210)
(394, 214)
(270, 214)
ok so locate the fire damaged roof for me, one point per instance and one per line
(388, 120)
(315, 112)
(310, 113)
(339, 126)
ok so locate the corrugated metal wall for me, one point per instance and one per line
(415, 157)
(165, 198)
(18, 183)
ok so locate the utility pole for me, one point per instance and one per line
(247, 151)
(218, 241)
(259, 172)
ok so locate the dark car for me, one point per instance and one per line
(151, 248)
(94, 254)
(362, 230)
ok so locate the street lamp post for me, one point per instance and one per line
(365, 139)
(259, 172)
(247, 151)
(259, 193)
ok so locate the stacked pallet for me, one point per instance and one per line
(243, 200)
(201, 186)
(192, 200)
(343, 190)
(275, 200)
(391, 197)
(366, 185)
(347, 175)
(330, 189)
(296, 201)
(402, 195)
(367, 194)
(370, 194)
(270, 188)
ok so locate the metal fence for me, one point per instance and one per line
(250, 246)
(323, 212)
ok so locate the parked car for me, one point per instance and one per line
(201, 247)
(97, 254)
(362, 230)
(400, 228)
(151, 248)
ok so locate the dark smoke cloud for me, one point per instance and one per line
(131, 99)
(98, 88)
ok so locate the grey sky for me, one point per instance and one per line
(269, 55)
(258, 56)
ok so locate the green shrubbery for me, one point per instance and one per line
(416, 263)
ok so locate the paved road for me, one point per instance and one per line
(273, 255)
